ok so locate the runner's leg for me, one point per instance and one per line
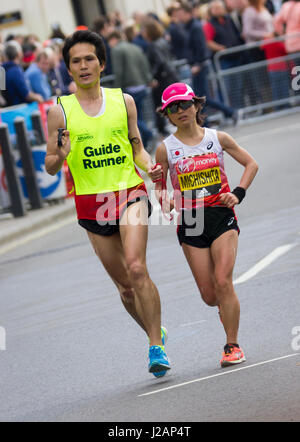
(224, 252)
(134, 236)
(202, 267)
(110, 252)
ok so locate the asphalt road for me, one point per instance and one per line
(73, 354)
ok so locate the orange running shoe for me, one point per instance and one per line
(232, 355)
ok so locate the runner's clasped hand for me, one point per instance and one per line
(233, 198)
(155, 173)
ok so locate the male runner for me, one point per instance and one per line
(101, 143)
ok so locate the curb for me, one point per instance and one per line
(45, 219)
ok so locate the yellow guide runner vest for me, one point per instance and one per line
(101, 157)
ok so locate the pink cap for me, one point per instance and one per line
(177, 92)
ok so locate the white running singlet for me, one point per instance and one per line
(199, 169)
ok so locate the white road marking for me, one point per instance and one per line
(265, 262)
(193, 323)
(219, 374)
(32, 236)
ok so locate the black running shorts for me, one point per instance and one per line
(214, 222)
(111, 227)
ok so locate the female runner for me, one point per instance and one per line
(207, 226)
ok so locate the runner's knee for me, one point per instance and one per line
(223, 284)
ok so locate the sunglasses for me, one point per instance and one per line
(184, 105)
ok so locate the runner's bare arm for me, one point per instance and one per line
(56, 155)
(141, 157)
(162, 158)
(230, 146)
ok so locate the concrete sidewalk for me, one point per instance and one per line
(13, 228)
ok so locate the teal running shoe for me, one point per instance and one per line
(159, 363)
(164, 336)
(164, 339)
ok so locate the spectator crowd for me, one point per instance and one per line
(142, 53)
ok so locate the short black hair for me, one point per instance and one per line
(85, 37)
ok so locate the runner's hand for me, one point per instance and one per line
(229, 200)
(64, 150)
(155, 173)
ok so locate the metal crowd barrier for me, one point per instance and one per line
(258, 86)
(17, 205)
(26, 147)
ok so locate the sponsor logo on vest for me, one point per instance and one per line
(115, 131)
(202, 193)
(207, 162)
(84, 137)
(91, 152)
(210, 145)
(186, 165)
